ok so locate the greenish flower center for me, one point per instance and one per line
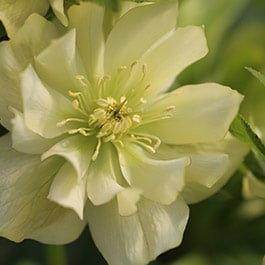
(112, 120)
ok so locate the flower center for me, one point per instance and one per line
(110, 119)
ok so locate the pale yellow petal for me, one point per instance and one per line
(87, 19)
(196, 190)
(127, 201)
(25, 211)
(68, 191)
(164, 62)
(14, 13)
(44, 108)
(16, 54)
(77, 149)
(59, 64)
(25, 140)
(158, 180)
(133, 35)
(200, 113)
(139, 238)
(104, 178)
(58, 9)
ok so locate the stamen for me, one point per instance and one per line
(83, 131)
(83, 81)
(79, 103)
(96, 153)
(63, 122)
(149, 142)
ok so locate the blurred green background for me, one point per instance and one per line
(228, 228)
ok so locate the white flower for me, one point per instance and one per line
(97, 138)
(14, 13)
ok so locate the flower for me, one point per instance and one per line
(14, 13)
(95, 136)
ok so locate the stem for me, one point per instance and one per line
(55, 255)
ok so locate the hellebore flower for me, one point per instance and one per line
(96, 138)
(14, 13)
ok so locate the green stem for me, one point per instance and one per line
(55, 255)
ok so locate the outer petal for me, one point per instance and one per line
(195, 190)
(159, 180)
(26, 141)
(68, 191)
(58, 9)
(25, 211)
(14, 13)
(16, 54)
(202, 113)
(139, 238)
(104, 176)
(77, 149)
(59, 63)
(184, 47)
(87, 19)
(44, 109)
(139, 34)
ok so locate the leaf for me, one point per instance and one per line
(257, 74)
(241, 129)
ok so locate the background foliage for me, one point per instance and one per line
(228, 228)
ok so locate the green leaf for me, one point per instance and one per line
(241, 129)
(257, 74)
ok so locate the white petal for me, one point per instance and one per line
(207, 168)
(127, 200)
(59, 63)
(195, 189)
(159, 180)
(13, 14)
(44, 109)
(16, 54)
(87, 19)
(26, 141)
(202, 113)
(139, 238)
(103, 176)
(67, 191)
(137, 31)
(77, 149)
(58, 9)
(184, 47)
(25, 211)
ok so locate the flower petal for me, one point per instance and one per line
(43, 108)
(159, 180)
(58, 9)
(184, 47)
(202, 113)
(77, 149)
(139, 34)
(127, 200)
(195, 189)
(87, 19)
(13, 15)
(16, 54)
(67, 191)
(59, 63)
(26, 141)
(103, 176)
(139, 238)
(25, 211)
